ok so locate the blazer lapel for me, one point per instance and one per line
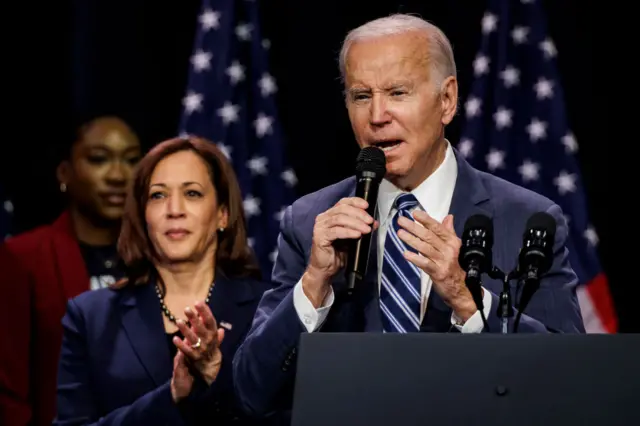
(229, 303)
(142, 322)
(470, 197)
(68, 261)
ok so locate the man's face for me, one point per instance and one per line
(395, 102)
(101, 168)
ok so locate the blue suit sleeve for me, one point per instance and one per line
(264, 365)
(75, 403)
(554, 307)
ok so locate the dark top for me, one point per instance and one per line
(173, 350)
(102, 265)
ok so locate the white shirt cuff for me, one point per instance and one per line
(309, 316)
(474, 324)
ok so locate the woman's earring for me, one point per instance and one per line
(63, 187)
(221, 229)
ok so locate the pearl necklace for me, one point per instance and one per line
(166, 310)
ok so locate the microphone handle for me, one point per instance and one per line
(366, 188)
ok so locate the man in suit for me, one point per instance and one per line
(401, 92)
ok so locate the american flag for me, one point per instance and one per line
(6, 213)
(230, 100)
(517, 128)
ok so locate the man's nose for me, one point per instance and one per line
(379, 115)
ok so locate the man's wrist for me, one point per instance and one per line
(464, 307)
(315, 286)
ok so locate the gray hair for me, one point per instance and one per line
(439, 46)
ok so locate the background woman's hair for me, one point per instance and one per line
(234, 256)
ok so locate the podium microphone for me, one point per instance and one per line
(371, 166)
(536, 257)
(476, 256)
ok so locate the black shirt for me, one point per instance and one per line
(102, 263)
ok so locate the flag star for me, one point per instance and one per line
(472, 106)
(537, 130)
(543, 88)
(201, 60)
(289, 177)
(489, 22)
(502, 117)
(529, 171)
(481, 65)
(591, 236)
(8, 206)
(258, 165)
(567, 218)
(209, 19)
(566, 182)
(511, 76)
(495, 159)
(235, 72)
(251, 242)
(251, 206)
(266, 44)
(263, 125)
(548, 48)
(192, 102)
(267, 85)
(280, 214)
(466, 147)
(243, 31)
(520, 34)
(229, 113)
(570, 143)
(273, 255)
(226, 149)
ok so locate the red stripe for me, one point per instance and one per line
(598, 290)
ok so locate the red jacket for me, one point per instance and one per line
(39, 271)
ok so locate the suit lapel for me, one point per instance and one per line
(142, 322)
(68, 261)
(470, 197)
(229, 303)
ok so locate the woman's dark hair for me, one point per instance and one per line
(234, 257)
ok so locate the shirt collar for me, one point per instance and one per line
(434, 193)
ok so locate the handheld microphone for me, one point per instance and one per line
(536, 256)
(476, 256)
(371, 166)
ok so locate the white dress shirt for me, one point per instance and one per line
(434, 196)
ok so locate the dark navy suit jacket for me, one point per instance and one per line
(264, 365)
(115, 364)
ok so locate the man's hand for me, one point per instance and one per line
(438, 247)
(348, 219)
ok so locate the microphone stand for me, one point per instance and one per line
(504, 310)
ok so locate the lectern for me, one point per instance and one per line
(375, 379)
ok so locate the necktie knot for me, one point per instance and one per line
(406, 202)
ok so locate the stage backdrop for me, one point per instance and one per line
(132, 58)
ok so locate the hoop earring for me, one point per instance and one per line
(63, 187)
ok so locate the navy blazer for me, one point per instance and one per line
(115, 365)
(264, 378)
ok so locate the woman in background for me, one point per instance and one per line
(157, 347)
(42, 268)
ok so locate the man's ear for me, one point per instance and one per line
(449, 99)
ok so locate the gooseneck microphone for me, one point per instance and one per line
(371, 166)
(535, 258)
(476, 256)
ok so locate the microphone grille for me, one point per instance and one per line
(543, 221)
(479, 221)
(371, 159)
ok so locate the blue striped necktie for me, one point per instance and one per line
(400, 287)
